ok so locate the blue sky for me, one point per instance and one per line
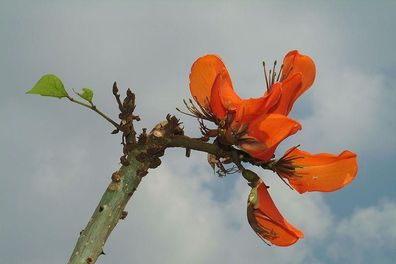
(56, 158)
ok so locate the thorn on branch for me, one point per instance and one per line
(188, 152)
(116, 177)
(142, 138)
(154, 163)
(123, 215)
(124, 161)
(142, 172)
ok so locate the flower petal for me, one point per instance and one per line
(250, 109)
(267, 221)
(321, 172)
(296, 62)
(216, 105)
(298, 74)
(203, 74)
(229, 98)
(289, 93)
(273, 96)
(266, 132)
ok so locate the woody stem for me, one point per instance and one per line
(109, 211)
(237, 156)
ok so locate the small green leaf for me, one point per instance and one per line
(49, 85)
(86, 94)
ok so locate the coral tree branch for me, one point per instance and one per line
(139, 155)
(109, 211)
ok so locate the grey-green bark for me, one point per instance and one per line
(109, 211)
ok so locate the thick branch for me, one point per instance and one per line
(232, 153)
(191, 143)
(108, 212)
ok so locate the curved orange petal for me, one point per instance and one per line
(289, 91)
(267, 221)
(202, 76)
(216, 105)
(321, 172)
(296, 62)
(204, 72)
(250, 109)
(229, 98)
(273, 96)
(266, 132)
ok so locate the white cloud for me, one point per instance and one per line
(349, 110)
(55, 171)
(367, 236)
(174, 219)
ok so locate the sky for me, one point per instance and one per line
(57, 158)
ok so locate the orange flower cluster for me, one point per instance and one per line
(259, 125)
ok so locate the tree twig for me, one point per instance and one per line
(94, 108)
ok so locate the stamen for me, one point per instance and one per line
(292, 158)
(265, 74)
(273, 73)
(185, 113)
(288, 152)
(267, 234)
(273, 76)
(285, 182)
(203, 110)
(197, 112)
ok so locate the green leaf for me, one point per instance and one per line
(86, 94)
(49, 85)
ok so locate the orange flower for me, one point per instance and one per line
(258, 126)
(267, 221)
(211, 87)
(317, 172)
(265, 117)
